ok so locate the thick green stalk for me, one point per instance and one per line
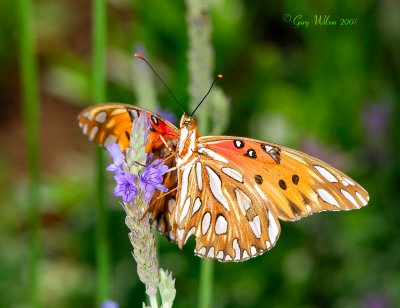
(30, 103)
(201, 60)
(99, 93)
(206, 283)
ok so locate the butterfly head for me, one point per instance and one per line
(188, 123)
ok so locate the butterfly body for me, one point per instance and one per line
(187, 141)
(229, 192)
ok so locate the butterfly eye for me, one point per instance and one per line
(186, 123)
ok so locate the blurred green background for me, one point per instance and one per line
(330, 91)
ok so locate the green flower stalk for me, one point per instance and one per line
(215, 112)
(137, 177)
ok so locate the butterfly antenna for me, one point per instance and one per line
(139, 56)
(219, 76)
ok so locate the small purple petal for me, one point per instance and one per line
(115, 153)
(152, 177)
(118, 157)
(126, 187)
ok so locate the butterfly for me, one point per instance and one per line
(229, 192)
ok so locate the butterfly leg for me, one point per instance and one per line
(167, 145)
(167, 193)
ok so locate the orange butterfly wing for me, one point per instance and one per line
(232, 196)
(230, 220)
(296, 184)
(112, 123)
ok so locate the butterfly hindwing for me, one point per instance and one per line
(220, 207)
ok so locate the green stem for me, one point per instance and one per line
(206, 282)
(99, 94)
(30, 103)
(201, 62)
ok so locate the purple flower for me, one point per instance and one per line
(118, 157)
(151, 178)
(108, 304)
(126, 187)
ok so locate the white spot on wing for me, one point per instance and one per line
(212, 154)
(211, 252)
(205, 222)
(253, 250)
(185, 210)
(202, 251)
(345, 183)
(184, 187)
(220, 255)
(273, 230)
(180, 234)
(171, 204)
(243, 200)
(110, 139)
(88, 116)
(363, 201)
(236, 248)
(93, 133)
(350, 182)
(327, 197)
(268, 244)
(349, 197)
(196, 205)
(234, 174)
(255, 225)
(216, 187)
(266, 148)
(190, 233)
(101, 117)
(326, 174)
(261, 193)
(199, 176)
(245, 255)
(228, 258)
(85, 127)
(133, 112)
(221, 226)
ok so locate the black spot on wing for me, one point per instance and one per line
(258, 179)
(282, 184)
(251, 153)
(238, 143)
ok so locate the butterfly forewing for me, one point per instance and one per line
(295, 183)
(112, 123)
